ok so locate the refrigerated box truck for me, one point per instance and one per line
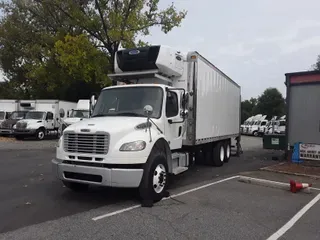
(7, 106)
(173, 109)
(44, 117)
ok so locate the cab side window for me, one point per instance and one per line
(172, 105)
(49, 116)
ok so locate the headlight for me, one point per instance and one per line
(133, 146)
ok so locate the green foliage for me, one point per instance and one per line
(50, 46)
(81, 59)
(270, 103)
(316, 66)
(248, 108)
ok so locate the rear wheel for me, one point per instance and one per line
(154, 183)
(227, 150)
(218, 154)
(77, 187)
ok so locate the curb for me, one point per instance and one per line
(269, 183)
(267, 169)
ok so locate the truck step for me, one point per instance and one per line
(179, 170)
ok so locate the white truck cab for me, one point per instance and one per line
(262, 127)
(36, 123)
(4, 115)
(166, 116)
(254, 128)
(82, 111)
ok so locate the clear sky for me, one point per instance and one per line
(255, 42)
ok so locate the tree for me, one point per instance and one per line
(248, 108)
(271, 103)
(47, 46)
(316, 66)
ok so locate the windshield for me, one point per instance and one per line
(1, 115)
(18, 115)
(35, 115)
(79, 114)
(129, 101)
(282, 123)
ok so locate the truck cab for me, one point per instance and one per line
(262, 127)
(35, 124)
(4, 116)
(7, 126)
(81, 112)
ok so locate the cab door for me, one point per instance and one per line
(174, 121)
(49, 122)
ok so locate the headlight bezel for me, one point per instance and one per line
(134, 146)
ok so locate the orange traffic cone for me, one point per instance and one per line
(296, 186)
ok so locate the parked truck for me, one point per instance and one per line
(75, 115)
(43, 118)
(7, 106)
(174, 109)
(6, 127)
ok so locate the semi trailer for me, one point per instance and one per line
(171, 110)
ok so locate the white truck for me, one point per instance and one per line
(43, 118)
(75, 115)
(7, 106)
(254, 128)
(174, 109)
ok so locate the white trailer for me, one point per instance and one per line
(173, 110)
(43, 117)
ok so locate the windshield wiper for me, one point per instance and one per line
(129, 114)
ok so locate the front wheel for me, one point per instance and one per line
(154, 183)
(40, 134)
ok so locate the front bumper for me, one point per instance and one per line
(24, 132)
(6, 131)
(111, 177)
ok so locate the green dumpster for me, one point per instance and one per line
(274, 141)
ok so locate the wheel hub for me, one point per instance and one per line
(159, 178)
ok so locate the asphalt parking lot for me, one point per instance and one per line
(37, 206)
(223, 210)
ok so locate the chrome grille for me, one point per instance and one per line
(21, 125)
(86, 143)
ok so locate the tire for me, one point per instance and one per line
(227, 151)
(77, 187)
(154, 183)
(40, 134)
(218, 154)
(255, 133)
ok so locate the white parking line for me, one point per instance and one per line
(294, 219)
(175, 195)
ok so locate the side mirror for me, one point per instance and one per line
(148, 110)
(92, 103)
